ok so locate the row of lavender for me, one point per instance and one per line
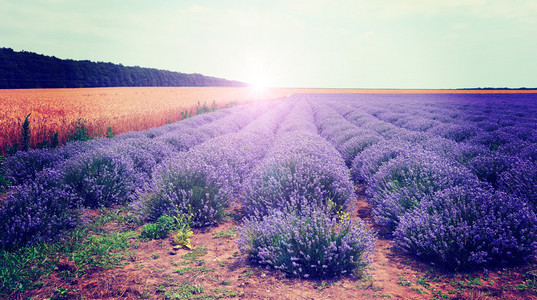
(283, 175)
(48, 184)
(297, 202)
(442, 196)
(267, 158)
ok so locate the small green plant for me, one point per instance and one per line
(418, 290)
(109, 132)
(50, 141)
(321, 286)
(366, 282)
(12, 149)
(474, 281)
(421, 281)
(226, 233)
(230, 104)
(55, 139)
(440, 295)
(184, 291)
(62, 293)
(201, 109)
(185, 270)
(402, 281)
(159, 230)
(248, 274)
(183, 231)
(225, 282)
(195, 253)
(224, 293)
(214, 106)
(25, 134)
(186, 114)
(377, 288)
(155, 256)
(81, 132)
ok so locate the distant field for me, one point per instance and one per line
(123, 108)
(135, 108)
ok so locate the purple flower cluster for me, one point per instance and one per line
(466, 227)
(39, 210)
(430, 147)
(291, 200)
(201, 181)
(300, 171)
(188, 190)
(309, 245)
(521, 181)
(24, 166)
(238, 118)
(102, 177)
(104, 172)
(400, 184)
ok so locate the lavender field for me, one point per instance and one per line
(451, 179)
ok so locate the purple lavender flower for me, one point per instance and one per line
(466, 227)
(39, 210)
(309, 245)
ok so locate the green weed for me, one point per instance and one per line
(226, 234)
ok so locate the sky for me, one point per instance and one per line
(292, 43)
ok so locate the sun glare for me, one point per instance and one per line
(258, 84)
(258, 77)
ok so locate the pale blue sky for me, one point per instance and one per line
(295, 43)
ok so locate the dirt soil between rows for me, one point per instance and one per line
(215, 268)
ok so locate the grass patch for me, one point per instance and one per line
(84, 248)
(195, 253)
(226, 233)
(418, 290)
(402, 281)
(183, 291)
(186, 270)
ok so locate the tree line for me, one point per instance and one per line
(30, 70)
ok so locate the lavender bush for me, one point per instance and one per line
(521, 181)
(312, 245)
(202, 180)
(488, 167)
(466, 227)
(102, 177)
(357, 144)
(187, 191)
(403, 182)
(40, 210)
(368, 162)
(295, 183)
(23, 166)
(301, 170)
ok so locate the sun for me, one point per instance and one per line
(258, 84)
(258, 75)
